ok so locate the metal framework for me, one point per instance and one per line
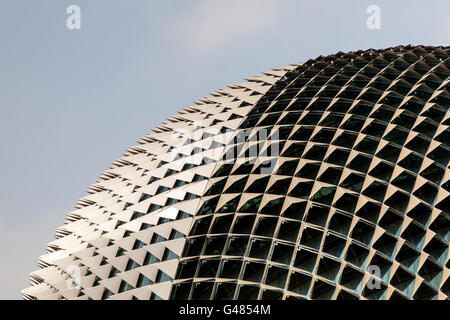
(327, 179)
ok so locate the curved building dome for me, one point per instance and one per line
(327, 179)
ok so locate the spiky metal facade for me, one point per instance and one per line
(327, 179)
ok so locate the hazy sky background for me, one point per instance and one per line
(73, 101)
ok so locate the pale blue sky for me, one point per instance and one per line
(72, 101)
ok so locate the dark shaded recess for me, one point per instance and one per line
(338, 157)
(289, 230)
(309, 171)
(202, 290)
(295, 150)
(201, 226)
(243, 224)
(353, 182)
(259, 248)
(193, 246)
(328, 268)
(230, 206)
(334, 245)
(187, 269)
(295, 210)
(271, 295)
(280, 187)
(367, 145)
(273, 207)
(322, 290)
(253, 271)
(318, 215)
(351, 278)
(252, 205)
(302, 190)
(331, 175)
(356, 254)
(405, 181)
(266, 226)
(214, 245)
(258, 186)
(441, 225)
(222, 224)
(276, 276)
(282, 253)
(237, 186)
(236, 246)
(231, 268)
(225, 291)
(248, 292)
(209, 206)
(208, 268)
(181, 291)
(299, 283)
(340, 223)
(311, 238)
(370, 211)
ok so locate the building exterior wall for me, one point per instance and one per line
(327, 179)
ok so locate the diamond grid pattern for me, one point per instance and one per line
(126, 236)
(361, 180)
(359, 144)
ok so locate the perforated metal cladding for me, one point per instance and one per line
(295, 184)
(361, 182)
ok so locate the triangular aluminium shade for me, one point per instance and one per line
(312, 181)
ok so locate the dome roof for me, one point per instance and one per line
(327, 179)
